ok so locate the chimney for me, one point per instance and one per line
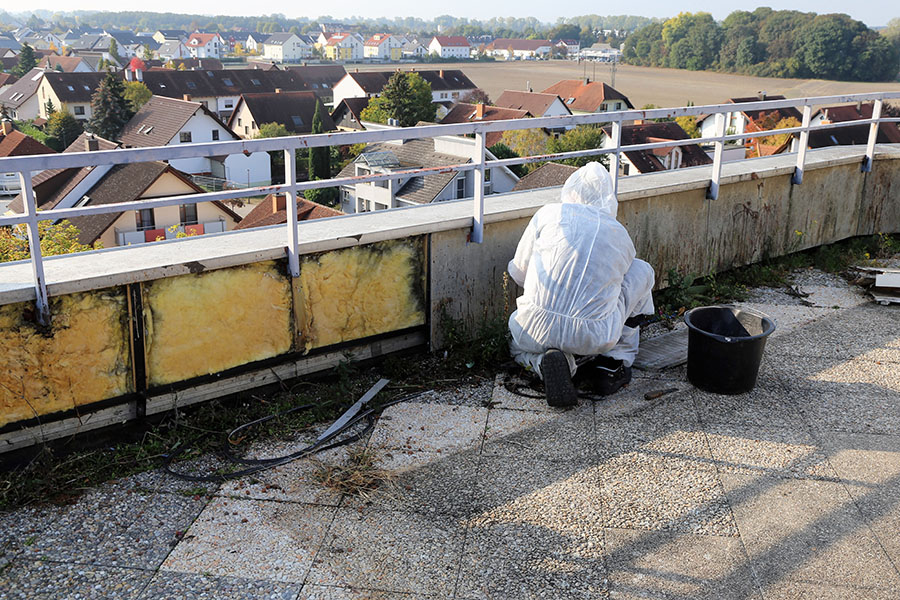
(761, 95)
(277, 90)
(7, 127)
(279, 202)
(186, 97)
(859, 108)
(91, 144)
(587, 80)
(479, 110)
(441, 73)
(357, 70)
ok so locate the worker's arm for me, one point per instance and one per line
(518, 266)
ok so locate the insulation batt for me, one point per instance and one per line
(208, 322)
(577, 266)
(354, 293)
(84, 357)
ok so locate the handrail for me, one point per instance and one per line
(25, 165)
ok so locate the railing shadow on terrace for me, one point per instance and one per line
(26, 165)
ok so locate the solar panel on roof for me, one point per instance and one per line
(381, 159)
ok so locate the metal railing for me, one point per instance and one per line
(26, 165)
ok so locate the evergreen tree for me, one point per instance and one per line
(114, 50)
(319, 160)
(49, 108)
(27, 61)
(109, 108)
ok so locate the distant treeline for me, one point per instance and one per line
(769, 43)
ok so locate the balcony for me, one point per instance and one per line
(128, 238)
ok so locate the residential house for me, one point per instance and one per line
(169, 35)
(539, 105)
(601, 52)
(219, 90)
(70, 92)
(439, 186)
(99, 60)
(20, 99)
(6, 80)
(255, 42)
(188, 64)
(171, 49)
(567, 47)
(321, 79)
(8, 42)
(168, 122)
(129, 44)
(294, 110)
(472, 113)
(262, 65)
(413, 49)
(65, 64)
(856, 135)
(383, 46)
(16, 143)
(109, 184)
(90, 42)
(286, 47)
(205, 45)
(343, 46)
(273, 211)
(454, 46)
(447, 85)
(658, 159)
(515, 49)
(21, 33)
(347, 115)
(582, 96)
(547, 175)
(737, 121)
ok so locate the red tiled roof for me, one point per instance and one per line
(271, 211)
(452, 40)
(587, 97)
(378, 39)
(468, 113)
(535, 103)
(68, 64)
(16, 143)
(201, 39)
(647, 161)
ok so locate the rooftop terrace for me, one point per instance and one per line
(789, 491)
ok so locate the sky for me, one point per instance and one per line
(872, 12)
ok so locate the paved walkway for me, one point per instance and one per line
(790, 491)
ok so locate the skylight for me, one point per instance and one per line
(298, 122)
(227, 82)
(255, 81)
(71, 89)
(192, 85)
(380, 159)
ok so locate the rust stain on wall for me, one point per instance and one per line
(205, 323)
(354, 293)
(84, 357)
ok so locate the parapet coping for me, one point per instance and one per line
(146, 262)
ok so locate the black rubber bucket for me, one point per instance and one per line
(725, 347)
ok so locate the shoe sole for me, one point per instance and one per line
(558, 386)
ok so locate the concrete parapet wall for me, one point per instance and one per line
(138, 330)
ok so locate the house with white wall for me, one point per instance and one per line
(70, 92)
(383, 46)
(447, 85)
(205, 45)
(21, 99)
(286, 47)
(169, 122)
(414, 190)
(343, 46)
(583, 96)
(449, 46)
(518, 49)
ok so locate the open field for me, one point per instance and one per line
(643, 85)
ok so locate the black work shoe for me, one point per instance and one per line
(558, 385)
(606, 376)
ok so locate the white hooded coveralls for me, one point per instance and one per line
(581, 278)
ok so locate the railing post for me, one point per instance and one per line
(290, 205)
(873, 136)
(477, 235)
(41, 300)
(713, 192)
(614, 160)
(804, 144)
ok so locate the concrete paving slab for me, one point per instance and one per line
(475, 395)
(860, 372)
(391, 551)
(324, 592)
(117, 528)
(766, 451)
(666, 565)
(424, 482)
(39, 580)
(789, 317)
(848, 408)
(430, 428)
(548, 577)
(807, 531)
(651, 438)
(513, 393)
(663, 494)
(794, 590)
(766, 404)
(672, 408)
(541, 436)
(870, 467)
(167, 585)
(835, 297)
(526, 508)
(23, 527)
(252, 539)
(844, 334)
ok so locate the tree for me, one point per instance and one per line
(405, 97)
(137, 94)
(56, 238)
(320, 165)
(148, 53)
(48, 107)
(526, 142)
(63, 129)
(109, 108)
(689, 124)
(476, 96)
(583, 137)
(114, 50)
(501, 151)
(26, 62)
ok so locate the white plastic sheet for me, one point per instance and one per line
(581, 279)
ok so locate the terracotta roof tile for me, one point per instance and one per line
(585, 97)
(535, 103)
(271, 211)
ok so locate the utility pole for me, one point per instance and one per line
(612, 68)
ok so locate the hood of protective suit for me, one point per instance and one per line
(591, 185)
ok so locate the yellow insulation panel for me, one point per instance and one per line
(357, 292)
(83, 357)
(204, 323)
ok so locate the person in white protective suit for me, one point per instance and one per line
(584, 290)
